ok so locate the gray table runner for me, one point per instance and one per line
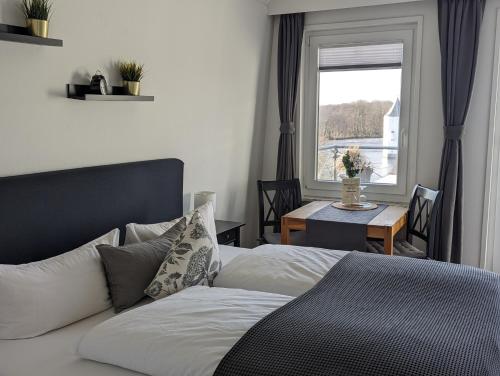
(334, 228)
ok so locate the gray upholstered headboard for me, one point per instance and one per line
(46, 214)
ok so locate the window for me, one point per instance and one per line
(359, 107)
(358, 95)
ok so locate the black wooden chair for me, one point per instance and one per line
(423, 215)
(277, 198)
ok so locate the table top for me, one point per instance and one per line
(387, 218)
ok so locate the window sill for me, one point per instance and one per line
(334, 195)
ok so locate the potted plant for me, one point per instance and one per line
(37, 13)
(353, 164)
(132, 74)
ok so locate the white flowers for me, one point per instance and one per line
(352, 162)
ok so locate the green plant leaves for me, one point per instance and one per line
(130, 70)
(37, 9)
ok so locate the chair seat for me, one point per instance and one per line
(401, 248)
(296, 237)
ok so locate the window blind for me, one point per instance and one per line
(363, 56)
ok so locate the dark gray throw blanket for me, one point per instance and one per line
(378, 315)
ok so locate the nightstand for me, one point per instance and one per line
(228, 232)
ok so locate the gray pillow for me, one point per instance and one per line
(131, 268)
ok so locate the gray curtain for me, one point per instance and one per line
(291, 33)
(459, 27)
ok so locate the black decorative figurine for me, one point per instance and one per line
(98, 84)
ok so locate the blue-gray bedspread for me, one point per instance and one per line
(378, 315)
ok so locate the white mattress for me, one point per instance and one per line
(54, 354)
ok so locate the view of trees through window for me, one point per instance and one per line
(361, 109)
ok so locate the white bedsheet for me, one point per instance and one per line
(280, 269)
(187, 333)
(54, 353)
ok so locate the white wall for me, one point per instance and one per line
(431, 118)
(476, 138)
(206, 62)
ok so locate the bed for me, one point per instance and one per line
(55, 353)
(47, 214)
(275, 310)
(65, 209)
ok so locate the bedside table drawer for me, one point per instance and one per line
(227, 237)
(228, 233)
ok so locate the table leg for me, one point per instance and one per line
(389, 241)
(285, 232)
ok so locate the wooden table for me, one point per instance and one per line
(384, 226)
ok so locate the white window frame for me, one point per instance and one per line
(407, 30)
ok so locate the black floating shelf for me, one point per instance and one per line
(20, 34)
(83, 93)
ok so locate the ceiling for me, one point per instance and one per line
(295, 6)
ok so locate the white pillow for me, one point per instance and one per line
(280, 269)
(137, 233)
(41, 296)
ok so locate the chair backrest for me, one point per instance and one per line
(276, 198)
(423, 216)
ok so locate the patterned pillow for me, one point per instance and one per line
(194, 260)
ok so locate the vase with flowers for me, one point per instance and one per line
(352, 163)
